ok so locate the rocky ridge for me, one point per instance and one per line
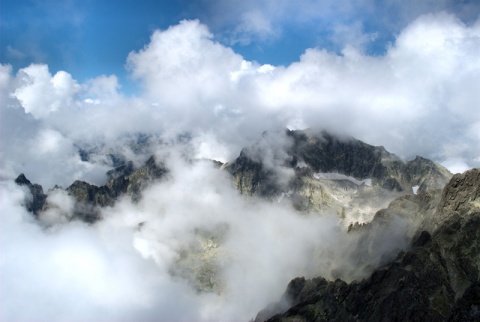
(321, 172)
(325, 173)
(316, 172)
(437, 279)
(123, 180)
(37, 197)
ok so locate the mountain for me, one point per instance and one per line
(437, 279)
(321, 172)
(432, 274)
(317, 172)
(122, 180)
(35, 203)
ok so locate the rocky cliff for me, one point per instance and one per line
(123, 180)
(321, 172)
(36, 198)
(437, 279)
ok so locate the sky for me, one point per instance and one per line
(91, 38)
(93, 75)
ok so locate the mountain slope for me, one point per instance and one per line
(123, 180)
(320, 172)
(437, 279)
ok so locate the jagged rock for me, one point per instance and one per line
(88, 197)
(91, 194)
(252, 178)
(37, 201)
(140, 178)
(122, 180)
(467, 308)
(119, 179)
(328, 173)
(437, 279)
(324, 152)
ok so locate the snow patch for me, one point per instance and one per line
(283, 195)
(301, 165)
(415, 189)
(339, 176)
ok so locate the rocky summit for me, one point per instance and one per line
(436, 279)
(317, 172)
(322, 172)
(122, 180)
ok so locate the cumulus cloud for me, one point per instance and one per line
(410, 90)
(41, 94)
(418, 98)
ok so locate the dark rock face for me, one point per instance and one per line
(36, 203)
(326, 153)
(143, 176)
(437, 279)
(123, 180)
(88, 198)
(252, 178)
(319, 172)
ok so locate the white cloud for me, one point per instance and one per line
(419, 98)
(118, 270)
(260, 22)
(41, 94)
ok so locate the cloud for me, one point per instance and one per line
(263, 23)
(417, 99)
(420, 97)
(14, 53)
(30, 141)
(129, 265)
(71, 273)
(41, 94)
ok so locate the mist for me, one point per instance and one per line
(131, 264)
(192, 247)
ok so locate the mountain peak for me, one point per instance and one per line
(320, 171)
(437, 279)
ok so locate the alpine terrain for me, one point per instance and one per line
(403, 242)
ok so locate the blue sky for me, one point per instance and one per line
(90, 38)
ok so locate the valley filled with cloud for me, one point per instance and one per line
(198, 98)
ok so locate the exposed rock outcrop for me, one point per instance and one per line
(123, 180)
(437, 279)
(35, 202)
(321, 172)
(89, 198)
(251, 177)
